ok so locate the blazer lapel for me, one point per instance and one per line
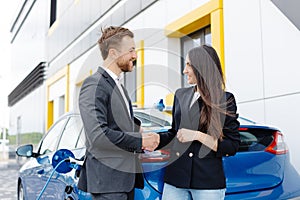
(116, 90)
(107, 77)
(128, 99)
(193, 110)
(185, 102)
(195, 114)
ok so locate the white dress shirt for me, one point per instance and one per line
(118, 83)
(195, 98)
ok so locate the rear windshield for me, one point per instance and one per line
(150, 120)
(255, 139)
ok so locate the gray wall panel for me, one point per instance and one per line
(121, 16)
(146, 3)
(118, 17)
(94, 9)
(28, 47)
(75, 20)
(132, 8)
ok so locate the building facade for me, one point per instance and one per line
(255, 39)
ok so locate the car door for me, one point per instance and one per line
(71, 140)
(38, 169)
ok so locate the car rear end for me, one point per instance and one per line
(258, 170)
(255, 172)
(261, 169)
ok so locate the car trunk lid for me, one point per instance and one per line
(259, 164)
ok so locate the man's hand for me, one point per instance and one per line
(150, 141)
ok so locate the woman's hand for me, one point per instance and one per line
(187, 135)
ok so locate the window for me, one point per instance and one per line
(50, 141)
(255, 139)
(53, 9)
(200, 37)
(71, 133)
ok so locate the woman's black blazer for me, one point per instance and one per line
(192, 164)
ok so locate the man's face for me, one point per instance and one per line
(127, 54)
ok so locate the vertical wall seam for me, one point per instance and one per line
(262, 60)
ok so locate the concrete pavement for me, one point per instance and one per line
(8, 179)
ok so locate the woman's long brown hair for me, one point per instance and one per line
(210, 82)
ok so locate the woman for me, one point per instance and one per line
(204, 129)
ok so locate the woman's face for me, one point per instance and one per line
(188, 71)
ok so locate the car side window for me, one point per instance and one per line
(50, 140)
(71, 133)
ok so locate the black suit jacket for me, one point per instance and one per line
(112, 139)
(193, 165)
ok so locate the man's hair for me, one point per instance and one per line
(111, 38)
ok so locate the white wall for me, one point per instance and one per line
(28, 50)
(281, 41)
(262, 70)
(162, 55)
(31, 109)
(28, 47)
(243, 52)
(79, 70)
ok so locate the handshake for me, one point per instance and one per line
(150, 141)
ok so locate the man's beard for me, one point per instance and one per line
(124, 65)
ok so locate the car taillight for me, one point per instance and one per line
(278, 145)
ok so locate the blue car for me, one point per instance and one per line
(260, 170)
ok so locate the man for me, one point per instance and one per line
(111, 169)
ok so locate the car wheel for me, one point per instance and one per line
(20, 192)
